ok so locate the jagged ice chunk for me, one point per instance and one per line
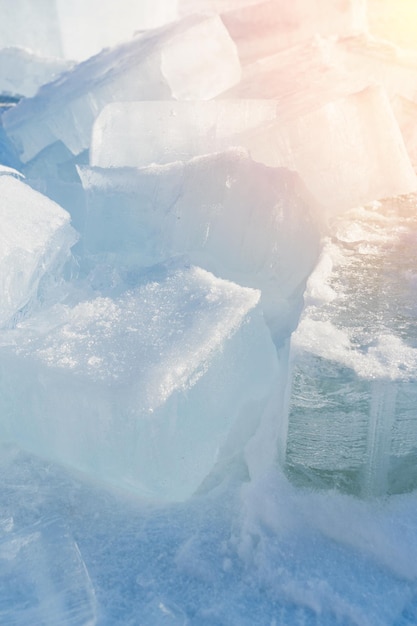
(140, 133)
(191, 59)
(22, 72)
(143, 390)
(236, 218)
(35, 239)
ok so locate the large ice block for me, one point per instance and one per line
(143, 390)
(239, 219)
(22, 72)
(140, 133)
(262, 29)
(352, 421)
(35, 239)
(191, 59)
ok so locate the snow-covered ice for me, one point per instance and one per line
(354, 393)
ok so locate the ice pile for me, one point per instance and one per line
(163, 205)
(139, 357)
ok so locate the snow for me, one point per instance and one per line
(208, 352)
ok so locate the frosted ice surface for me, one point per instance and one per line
(261, 29)
(140, 133)
(142, 390)
(23, 72)
(43, 579)
(35, 239)
(191, 59)
(236, 218)
(88, 27)
(352, 420)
